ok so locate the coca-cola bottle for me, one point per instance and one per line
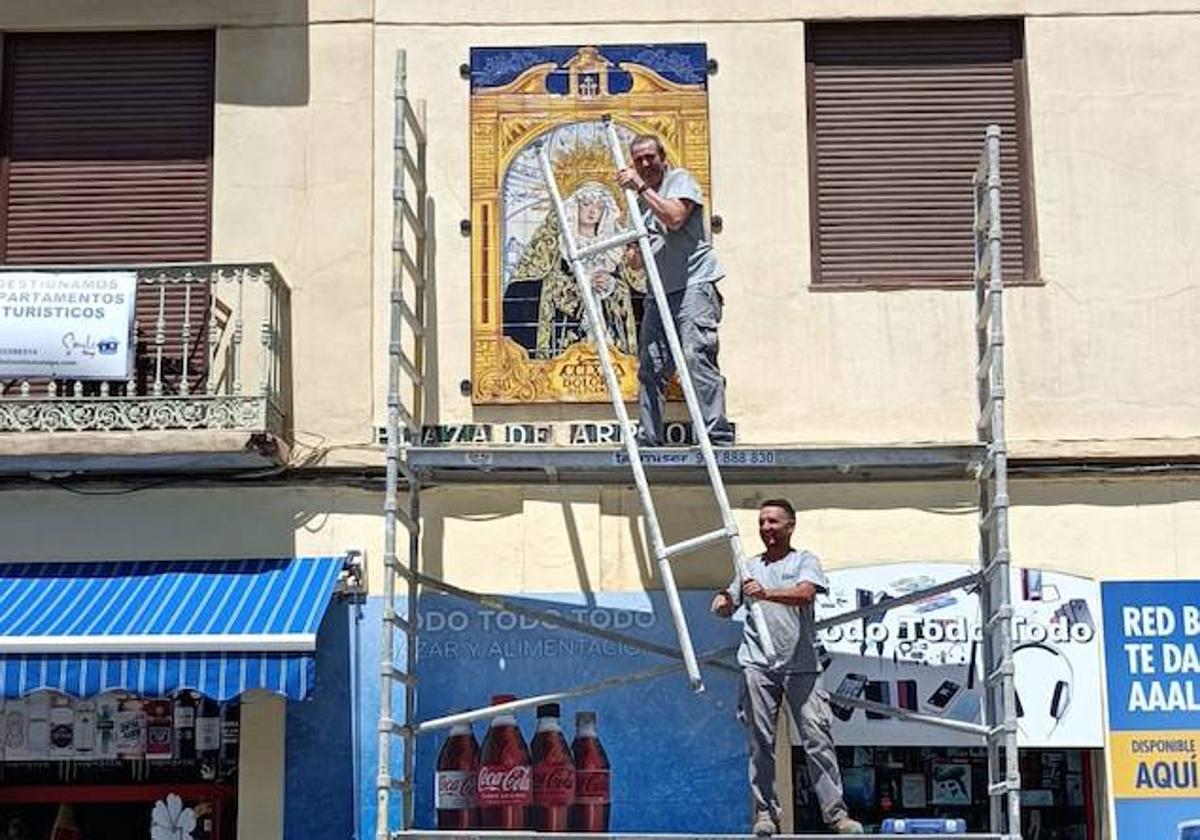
(592, 777)
(457, 766)
(504, 786)
(553, 772)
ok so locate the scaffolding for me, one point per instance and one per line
(985, 462)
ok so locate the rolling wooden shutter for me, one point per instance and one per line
(897, 113)
(107, 158)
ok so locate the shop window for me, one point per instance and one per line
(896, 115)
(103, 765)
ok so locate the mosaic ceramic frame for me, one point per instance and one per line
(528, 340)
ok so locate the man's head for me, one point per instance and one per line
(776, 522)
(649, 158)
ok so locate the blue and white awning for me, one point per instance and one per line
(220, 627)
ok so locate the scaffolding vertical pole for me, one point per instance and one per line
(408, 271)
(1004, 778)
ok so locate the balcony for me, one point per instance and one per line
(208, 387)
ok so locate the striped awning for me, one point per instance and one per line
(220, 627)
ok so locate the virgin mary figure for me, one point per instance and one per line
(543, 310)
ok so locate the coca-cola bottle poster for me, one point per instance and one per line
(658, 757)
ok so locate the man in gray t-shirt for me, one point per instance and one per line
(672, 207)
(785, 584)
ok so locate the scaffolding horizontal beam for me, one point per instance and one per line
(741, 465)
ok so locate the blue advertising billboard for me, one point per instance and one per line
(1152, 653)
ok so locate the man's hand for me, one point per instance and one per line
(629, 179)
(753, 589)
(722, 604)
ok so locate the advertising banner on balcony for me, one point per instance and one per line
(66, 324)
(1152, 648)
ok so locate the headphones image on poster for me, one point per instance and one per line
(1040, 658)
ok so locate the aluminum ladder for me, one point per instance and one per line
(406, 363)
(995, 597)
(728, 532)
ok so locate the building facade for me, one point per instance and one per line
(236, 162)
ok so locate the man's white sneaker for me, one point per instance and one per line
(847, 826)
(764, 825)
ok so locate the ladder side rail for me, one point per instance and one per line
(995, 591)
(689, 391)
(419, 384)
(1000, 482)
(600, 340)
(402, 427)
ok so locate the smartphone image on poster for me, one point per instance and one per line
(1031, 584)
(852, 686)
(940, 700)
(906, 694)
(1078, 613)
(878, 692)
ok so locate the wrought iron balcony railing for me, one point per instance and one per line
(211, 344)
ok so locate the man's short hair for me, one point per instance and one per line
(780, 503)
(642, 139)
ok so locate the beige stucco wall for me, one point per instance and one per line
(1105, 353)
(566, 539)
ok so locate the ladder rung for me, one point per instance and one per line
(1002, 730)
(1004, 613)
(411, 119)
(414, 171)
(994, 563)
(402, 517)
(696, 543)
(1004, 670)
(400, 623)
(623, 238)
(406, 313)
(399, 568)
(409, 367)
(387, 726)
(985, 364)
(392, 783)
(998, 504)
(410, 215)
(410, 265)
(1005, 786)
(392, 672)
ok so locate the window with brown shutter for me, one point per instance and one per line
(897, 112)
(107, 158)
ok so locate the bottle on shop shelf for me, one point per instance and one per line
(208, 737)
(553, 773)
(158, 730)
(62, 728)
(457, 768)
(504, 786)
(131, 729)
(231, 738)
(593, 799)
(107, 706)
(85, 730)
(183, 720)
